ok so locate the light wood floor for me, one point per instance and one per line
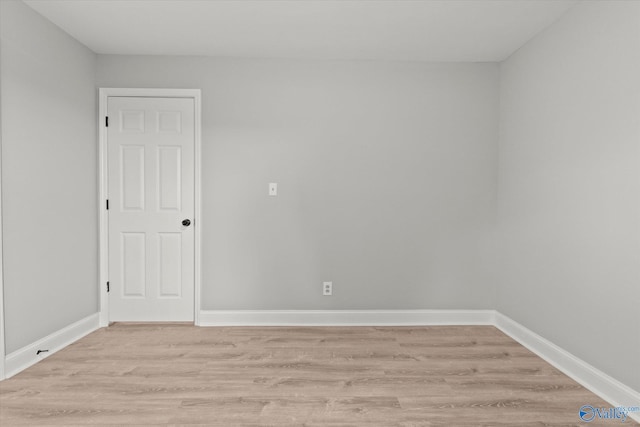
(177, 374)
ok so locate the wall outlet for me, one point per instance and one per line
(327, 288)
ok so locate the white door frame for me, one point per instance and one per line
(104, 94)
(2, 331)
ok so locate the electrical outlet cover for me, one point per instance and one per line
(327, 288)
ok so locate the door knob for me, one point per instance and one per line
(186, 222)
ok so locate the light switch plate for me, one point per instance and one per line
(273, 189)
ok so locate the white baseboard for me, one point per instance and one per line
(344, 317)
(21, 359)
(609, 389)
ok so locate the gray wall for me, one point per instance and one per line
(386, 172)
(569, 186)
(49, 170)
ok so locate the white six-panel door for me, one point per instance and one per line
(150, 144)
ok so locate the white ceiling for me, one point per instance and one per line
(435, 30)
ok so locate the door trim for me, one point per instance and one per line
(2, 330)
(104, 94)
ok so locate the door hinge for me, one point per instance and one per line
(106, 121)
(107, 204)
(108, 287)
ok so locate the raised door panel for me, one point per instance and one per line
(169, 122)
(133, 265)
(169, 178)
(132, 172)
(132, 121)
(170, 264)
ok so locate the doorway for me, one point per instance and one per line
(150, 222)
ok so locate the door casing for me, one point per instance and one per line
(104, 94)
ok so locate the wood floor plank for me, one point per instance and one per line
(178, 374)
